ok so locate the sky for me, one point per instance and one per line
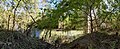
(49, 4)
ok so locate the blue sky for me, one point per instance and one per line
(48, 4)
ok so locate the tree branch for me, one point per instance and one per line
(8, 21)
(15, 15)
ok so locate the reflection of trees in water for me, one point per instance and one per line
(65, 36)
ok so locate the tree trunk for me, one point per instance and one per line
(90, 21)
(8, 22)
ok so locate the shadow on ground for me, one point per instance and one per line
(16, 40)
(94, 41)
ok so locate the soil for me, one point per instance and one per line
(94, 41)
(97, 40)
(16, 40)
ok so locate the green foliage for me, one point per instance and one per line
(48, 23)
(74, 13)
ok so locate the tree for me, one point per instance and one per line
(93, 12)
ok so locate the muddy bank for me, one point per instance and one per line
(94, 41)
(9, 40)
